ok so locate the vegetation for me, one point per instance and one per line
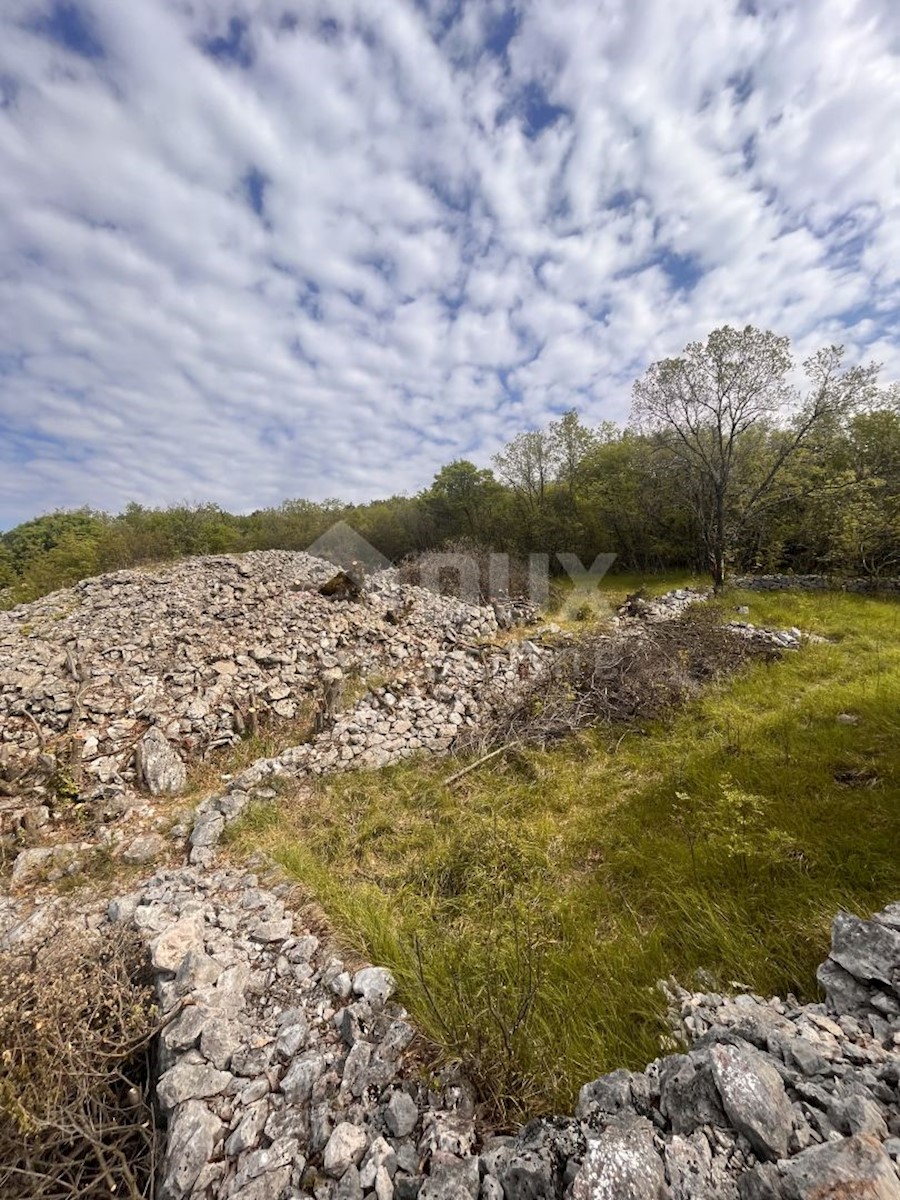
(530, 908)
(77, 1022)
(740, 472)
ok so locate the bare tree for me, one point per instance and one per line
(714, 407)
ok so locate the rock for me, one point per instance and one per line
(843, 992)
(622, 1164)
(754, 1099)
(609, 1094)
(868, 950)
(401, 1114)
(374, 984)
(345, 1148)
(190, 1081)
(159, 766)
(192, 1136)
(169, 949)
(48, 860)
(145, 848)
(854, 1167)
(689, 1097)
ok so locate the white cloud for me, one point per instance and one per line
(469, 217)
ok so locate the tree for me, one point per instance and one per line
(461, 499)
(714, 405)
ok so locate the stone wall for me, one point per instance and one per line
(816, 583)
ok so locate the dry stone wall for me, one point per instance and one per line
(816, 583)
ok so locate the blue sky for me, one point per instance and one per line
(254, 249)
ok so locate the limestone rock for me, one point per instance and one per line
(622, 1164)
(345, 1148)
(754, 1099)
(192, 1135)
(159, 766)
(854, 1167)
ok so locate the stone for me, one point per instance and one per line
(171, 947)
(145, 848)
(609, 1094)
(401, 1114)
(298, 1083)
(344, 1149)
(220, 1040)
(689, 1097)
(159, 767)
(854, 1167)
(33, 863)
(190, 1081)
(374, 984)
(192, 1136)
(246, 1136)
(844, 993)
(869, 950)
(622, 1164)
(754, 1099)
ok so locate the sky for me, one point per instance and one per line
(259, 249)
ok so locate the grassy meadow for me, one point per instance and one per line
(529, 909)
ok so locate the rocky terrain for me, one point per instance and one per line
(286, 1073)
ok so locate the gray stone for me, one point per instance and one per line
(159, 767)
(345, 1148)
(169, 949)
(843, 992)
(192, 1136)
(609, 1094)
(374, 984)
(246, 1136)
(689, 1097)
(754, 1099)
(190, 1081)
(401, 1114)
(35, 862)
(857, 1114)
(145, 848)
(869, 950)
(854, 1167)
(622, 1164)
(292, 1038)
(220, 1041)
(298, 1083)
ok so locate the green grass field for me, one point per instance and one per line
(530, 910)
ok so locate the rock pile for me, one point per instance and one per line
(195, 650)
(289, 1074)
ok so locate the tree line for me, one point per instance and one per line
(735, 457)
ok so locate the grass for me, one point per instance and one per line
(530, 910)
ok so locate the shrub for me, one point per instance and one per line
(77, 1023)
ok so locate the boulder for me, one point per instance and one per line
(754, 1099)
(622, 1164)
(855, 1167)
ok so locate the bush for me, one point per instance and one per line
(77, 1022)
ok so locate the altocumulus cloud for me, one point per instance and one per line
(264, 248)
